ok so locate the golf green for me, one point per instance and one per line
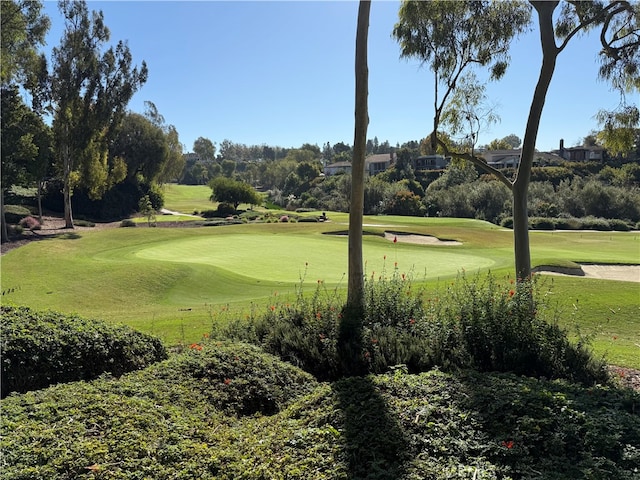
(289, 258)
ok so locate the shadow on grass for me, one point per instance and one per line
(375, 445)
(70, 235)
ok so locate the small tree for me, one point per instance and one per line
(146, 209)
(226, 190)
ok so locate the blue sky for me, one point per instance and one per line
(282, 73)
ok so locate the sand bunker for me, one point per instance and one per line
(626, 273)
(418, 239)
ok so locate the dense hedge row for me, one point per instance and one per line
(572, 223)
(39, 349)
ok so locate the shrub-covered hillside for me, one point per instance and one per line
(228, 411)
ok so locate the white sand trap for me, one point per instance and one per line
(418, 239)
(626, 273)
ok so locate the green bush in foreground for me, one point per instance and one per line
(473, 323)
(39, 349)
(183, 419)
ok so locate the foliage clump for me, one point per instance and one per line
(40, 349)
(181, 418)
(15, 213)
(472, 323)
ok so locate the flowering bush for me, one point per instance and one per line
(474, 323)
(30, 223)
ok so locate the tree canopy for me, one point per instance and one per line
(23, 31)
(226, 190)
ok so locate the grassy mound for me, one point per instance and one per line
(185, 418)
(39, 349)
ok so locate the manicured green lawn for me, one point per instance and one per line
(175, 282)
(187, 198)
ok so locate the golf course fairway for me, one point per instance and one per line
(177, 282)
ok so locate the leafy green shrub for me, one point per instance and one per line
(473, 324)
(538, 223)
(619, 225)
(494, 329)
(308, 220)
(209, 213)
(567, 223)
(177, 420)
(127, 223)
(39, 349)
(215, 223)
(245, 380)
(250, 215)
(225, 209)
(83, 223)
(172, 420)
(15, 213)
(507, 222)
(593, 223)
(15, 230)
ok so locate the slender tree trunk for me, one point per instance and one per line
(40, 182)
(521, 184)
(350, 328)
(4, 233)
(355, 300)
(66, 187)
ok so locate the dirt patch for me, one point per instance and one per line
(418, 239)
(52, 226)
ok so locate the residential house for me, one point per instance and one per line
(581, 154)
(430, 162)
(502, 158)
(338, 167)
(374, 164)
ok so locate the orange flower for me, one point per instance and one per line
(512, 292)
(227, 381)
(412, 322)
(273, 308)
(318, 315)
(395, 239)
(508, 444)
(205, 335)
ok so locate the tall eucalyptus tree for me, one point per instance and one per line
(90, 89)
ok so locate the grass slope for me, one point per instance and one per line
(174, 282)
(227, 411)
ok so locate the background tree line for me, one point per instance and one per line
(99, 159)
